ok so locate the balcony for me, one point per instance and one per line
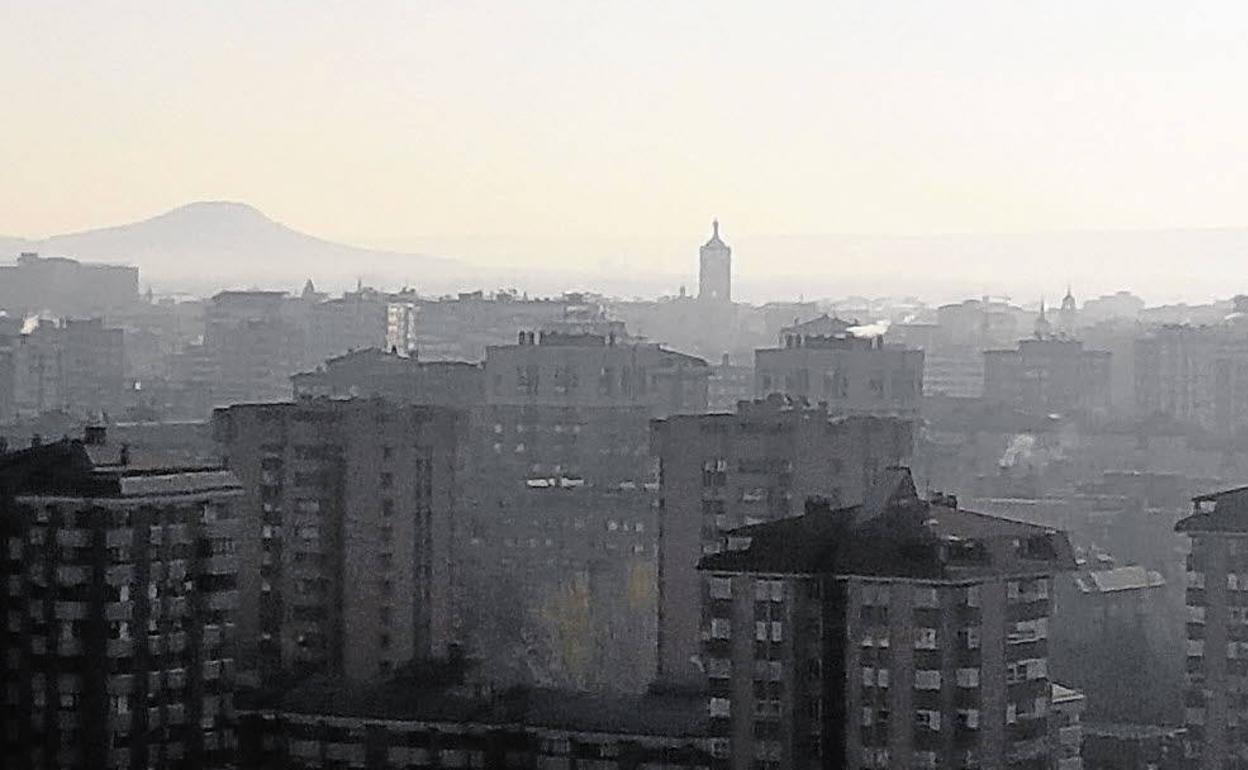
(213, 635)
(71, 610)
(221, 565)
(120, 684)
(72, 575)
(176, 642)
(223, 600)
(73, 538)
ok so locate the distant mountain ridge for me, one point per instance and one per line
(213, 244)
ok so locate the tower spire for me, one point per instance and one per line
(715, 227)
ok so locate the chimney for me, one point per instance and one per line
(36, 440)
(95, 435)
(124, 458)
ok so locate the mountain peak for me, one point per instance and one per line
(234, 239)
(227, 210)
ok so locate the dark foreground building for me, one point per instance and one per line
(403, 724)
(1217, 630)
(896, 633)
(117, 598)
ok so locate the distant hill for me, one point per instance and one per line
(206, 246)
(214, 244)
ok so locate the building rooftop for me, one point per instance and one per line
(1061, 694)
(72, 468)
(657, 714)
(1224, 511)
(894, 533)
(1131, 578)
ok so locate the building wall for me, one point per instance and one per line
(854, 376)
(118, 621)
(718, 472)
(350, 507)
(880, 673)
(592, 371)
(1217, 660)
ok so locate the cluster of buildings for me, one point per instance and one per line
(498, 531)
(301, 606)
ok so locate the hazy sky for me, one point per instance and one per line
(405, 123)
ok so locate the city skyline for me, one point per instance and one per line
(425, 128)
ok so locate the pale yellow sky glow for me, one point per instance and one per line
(406, 124)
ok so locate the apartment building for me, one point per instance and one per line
(1049, 374)
(853, 375)
(346, 521)
(1216, 693)
(118, 596)
(75, 366)
(899, 632)
(723, 471)
(561, 528)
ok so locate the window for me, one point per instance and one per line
(926, 597)
(925, 679)
(968, 719)
(1015, 672)
(768, 670)
(721, 628)
(925, 639)
(769, 590)
(874, 677)
(970, 637)
(875, 594)
(721, 588)
(777, 631)
(925, 719)
(968, 677)
(760, 631)
(972, 596)
(718, 668)
(720, 707)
